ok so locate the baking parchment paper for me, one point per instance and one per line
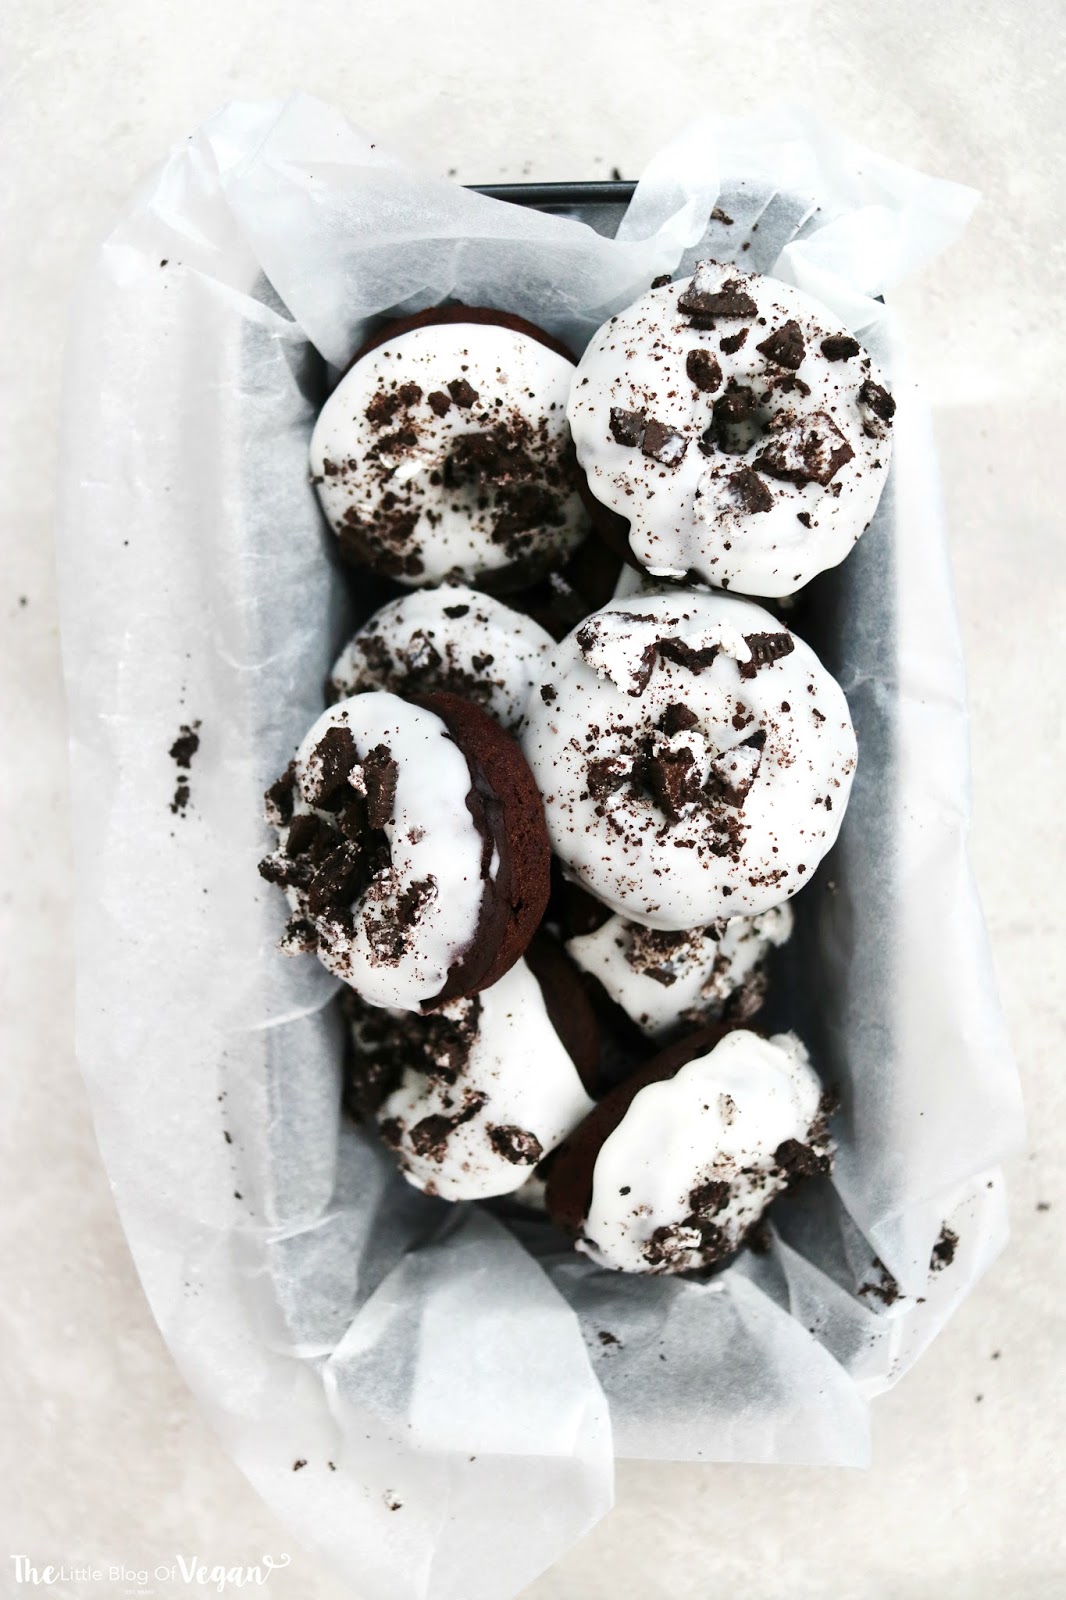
(421, 1392)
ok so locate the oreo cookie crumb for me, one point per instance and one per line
(182, 751)
(878, 399)
(516, 1145)
(840, 347)
(627, 427)
(463, 393)
(785, 346)
(703, 370)
(944, 1249)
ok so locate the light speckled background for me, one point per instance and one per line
(102, 1455)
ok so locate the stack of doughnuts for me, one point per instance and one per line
(546, 835)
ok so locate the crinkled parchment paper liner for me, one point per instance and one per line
(439, 1370)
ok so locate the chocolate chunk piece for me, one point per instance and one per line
(605, 777)
(878, 399)
(653, 953)
(686, 655)
(785, 346)
(379, 779)
(673, 779)
(305, 832)
(409, 394)
(800, 1160)
(439, 402)
(420, 654)
(718, 215)
(804, 449)
(463, 393)
(733, 416)
(708, 1198)
(388, 926)
(548, 693)
(516, 1145)
(382, 408)
(788, 383)
(765, 648)
(732, 344)
(703, 370)
(840, 347)
(337, 880)
(278, 800)
(661, 281)
(627, 427)
(329, 765)
(677, 719)
(733, 772)
(429, 1138)
(731, 300)
(749, 491)
(663, 444)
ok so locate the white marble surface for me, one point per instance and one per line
(102, 1455)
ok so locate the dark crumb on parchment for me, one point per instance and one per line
(944, 1249)
(607, 1338)
(297, 1465)
(182, 751)
(888, 1290)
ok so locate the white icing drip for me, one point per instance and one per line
(432, 838)
(687, 517)
(452, 535)
(529, 1082)
(625, 849)
(702, 970)
(412, 645)
(719, 1119)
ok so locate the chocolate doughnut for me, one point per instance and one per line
(444, 451)
(694, 756)
(411, 847)
(737, 426)
(673, 1169)
(663, 980)
(450, 639)
(472, 1095)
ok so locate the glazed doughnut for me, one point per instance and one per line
(662, 980)
(411, 847)
(444, 452)
(471, 1097)
(672, 1170)
(694, 756)
(737, 426)
(452, 639)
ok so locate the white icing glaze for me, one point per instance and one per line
(696, 971)
(720, 1119)
(523, 1087)
(520, 384)
(582, 726)
(432, 839)
(413, 646)
(685, 513)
